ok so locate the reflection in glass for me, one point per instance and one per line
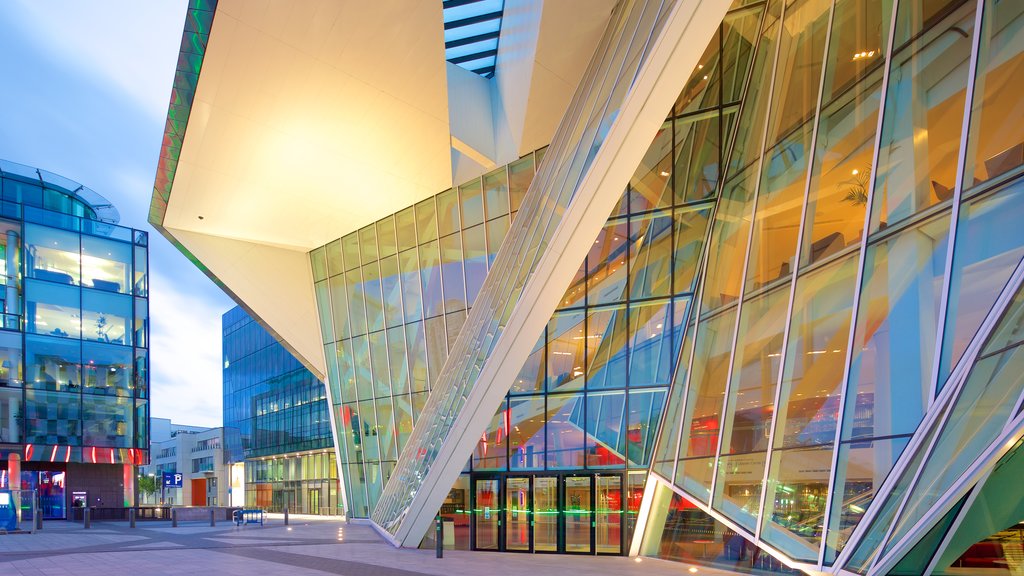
(546, 511)
(531, 376)
(526, 433)
(448, 220)
(606, 436)
(976, 419)
(387, 243)
(678, 530)
(894, 344)
(697, 155)
(841, 178)
(578, 511)
(517, 514)
(490, 451)
(861, 469)
(989, 243)
(474, 246)
(707, 386)
(391, 287)
(356, 303)
(405, 229)
(52, 363)
(728, 245)
(52, 255)
(779, 205)
(996, 146)
(857, 44)
(652, 355)
(372, 295)
(815, 356)
(566, 351)
(106, 317)
(338, 307)
(606, 264)
(430, 276)
(107, 369)
(645, 408)
(471, 197)
(750, 127)
(496, 193)
(107, 422)
(368, 244)
(565, 444)
(606, 338)
(54, 310)
(520, 174)
(650, 186)
(409, 264)
(738, 488)
(798, 69)
(106, 264)
(758, 356)
(691, 224)
(694, 475)
(426, 222)
(453, 279)
(608, 514)
(797, 492)
(53, 418)
(702, 87)
(924, 109)
(650, 261)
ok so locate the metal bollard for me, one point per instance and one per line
(131, 517)
(213, 518)
(174, 517)
(285, 515)
(439, 536)
(87, 518)
(37, 514)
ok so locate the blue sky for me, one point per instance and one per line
(84, 88)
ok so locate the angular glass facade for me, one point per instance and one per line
(873, 245)
(778, 299)
(790, 347)
(276, 411)
(74, 376)
(394, 296)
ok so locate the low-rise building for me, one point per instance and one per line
(198, 455)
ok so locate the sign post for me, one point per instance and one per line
(170, 480)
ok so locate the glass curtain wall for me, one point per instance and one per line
(74, 329)
(592, 393)
(862, 236)
(279, 408)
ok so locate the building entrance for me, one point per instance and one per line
(558, 513)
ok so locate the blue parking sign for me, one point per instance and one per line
(172, 480)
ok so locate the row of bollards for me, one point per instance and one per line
(133, 515)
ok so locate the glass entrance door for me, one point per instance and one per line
(564, 513)
(545, 514)
(579, 509)
(487, 513)
(518, 507)
(608, 514)
(314, 501)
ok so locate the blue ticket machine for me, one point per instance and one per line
(8, 511)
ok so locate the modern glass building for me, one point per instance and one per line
(74, 379)
(276, 423)
(751, 305)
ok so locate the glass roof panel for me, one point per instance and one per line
(471, 32)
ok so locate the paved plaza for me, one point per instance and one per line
(309, 546)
